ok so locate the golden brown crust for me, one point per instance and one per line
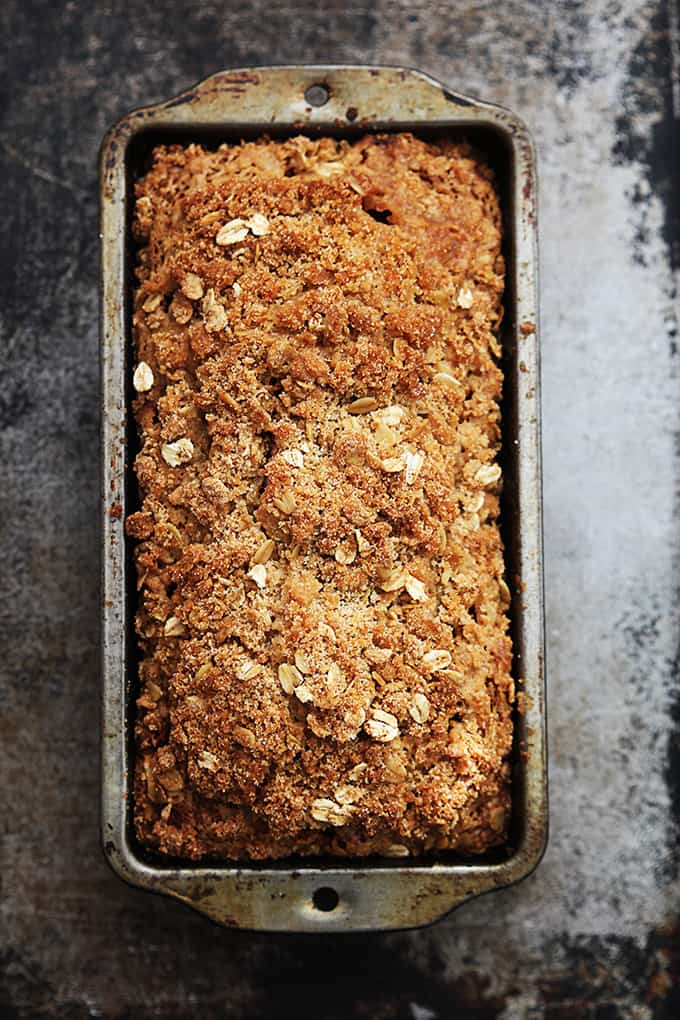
(325, 660)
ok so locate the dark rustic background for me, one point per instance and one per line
(595, 933)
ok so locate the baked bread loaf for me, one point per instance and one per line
(324, 650)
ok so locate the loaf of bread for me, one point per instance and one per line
(324, 650)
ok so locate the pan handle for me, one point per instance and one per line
(312, 96)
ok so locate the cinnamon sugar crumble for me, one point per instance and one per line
(325, 659)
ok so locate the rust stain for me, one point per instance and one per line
(242, 77)
(529, 186)
(180, 101)
(234, 84)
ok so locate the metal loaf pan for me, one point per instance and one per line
(346, 102)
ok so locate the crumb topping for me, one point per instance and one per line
(325, 658)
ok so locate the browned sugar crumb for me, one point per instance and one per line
(325, 657)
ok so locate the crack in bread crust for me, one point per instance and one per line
(325, 658)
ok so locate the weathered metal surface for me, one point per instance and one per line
(594, 933)
(371, 895)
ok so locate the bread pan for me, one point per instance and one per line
(323, 895)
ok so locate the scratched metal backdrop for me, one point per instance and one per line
(596, 932)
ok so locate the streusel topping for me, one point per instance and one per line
(325, 659)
